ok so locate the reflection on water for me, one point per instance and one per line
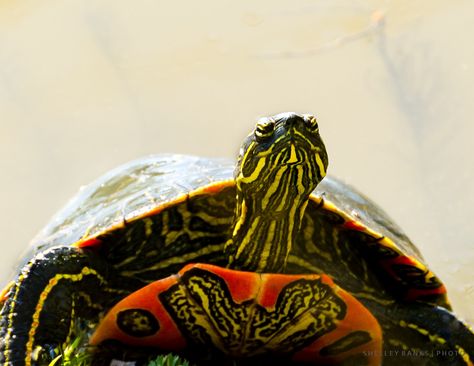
(87, 86)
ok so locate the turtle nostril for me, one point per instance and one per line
(292, 120)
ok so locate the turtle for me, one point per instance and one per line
(264, 259)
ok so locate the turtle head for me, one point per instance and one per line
(282, 159)
(280, 163)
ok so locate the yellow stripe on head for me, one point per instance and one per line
(322, 169)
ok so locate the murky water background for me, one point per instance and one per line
(85, 86)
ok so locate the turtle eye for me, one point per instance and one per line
(264, 128)
(311, 122)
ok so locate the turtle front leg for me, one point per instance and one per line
(51, 292)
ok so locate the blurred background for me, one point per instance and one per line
(86, 86)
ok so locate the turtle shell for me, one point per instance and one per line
(146, 220)
(357, 227)
(171, 313)
(127, 192)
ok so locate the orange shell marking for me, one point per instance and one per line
(170, 314)
(167, 337)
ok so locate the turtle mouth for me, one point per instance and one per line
(294, 164)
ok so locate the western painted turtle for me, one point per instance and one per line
(262, 260)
